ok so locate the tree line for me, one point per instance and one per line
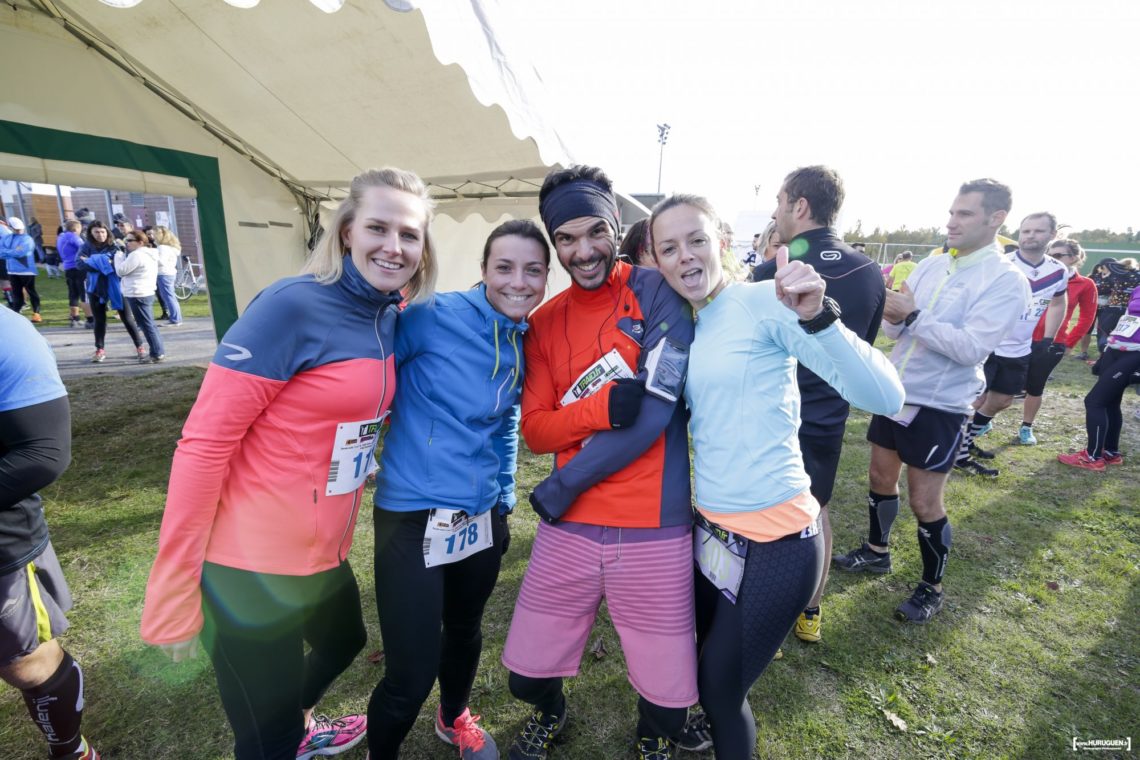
(935, 235)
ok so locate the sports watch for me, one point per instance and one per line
(823, 320)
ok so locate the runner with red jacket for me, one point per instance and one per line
(616, 507)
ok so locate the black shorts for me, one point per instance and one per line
(35, 598)
(821, 462)
(1006, 374)
(1042, 362)
(929, 442)
(76, 290)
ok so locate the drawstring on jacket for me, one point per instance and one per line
(512, 338)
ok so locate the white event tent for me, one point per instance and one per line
(265, 113)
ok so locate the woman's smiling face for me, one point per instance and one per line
(387, 237)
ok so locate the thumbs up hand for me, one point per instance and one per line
(798, 286)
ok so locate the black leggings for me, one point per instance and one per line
(99, 311)
(737, 641)
(20, 283)
(256, 628)
(1106, 319)
(431, 621)
(1103, 418)
(76, 283)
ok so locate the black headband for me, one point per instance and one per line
(578, 198)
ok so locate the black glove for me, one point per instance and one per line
(625, 402)
(1056, 349)
(540, 510)
(504, 518)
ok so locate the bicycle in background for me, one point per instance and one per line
(189, 281)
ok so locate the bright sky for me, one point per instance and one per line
(905, 99)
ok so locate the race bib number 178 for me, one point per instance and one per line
(452, 535)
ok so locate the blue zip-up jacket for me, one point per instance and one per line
(453, 440)
(20, 251)
(102, 281)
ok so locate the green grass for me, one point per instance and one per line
(54, 309)
(1038, 641)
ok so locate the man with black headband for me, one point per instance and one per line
(605, 362)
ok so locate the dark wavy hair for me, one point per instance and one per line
(523, 228)
(95, 244)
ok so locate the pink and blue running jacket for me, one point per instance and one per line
(248, 483)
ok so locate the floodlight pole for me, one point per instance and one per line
(662, 137)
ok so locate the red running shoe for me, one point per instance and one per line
(473, 742)
(1082, 460)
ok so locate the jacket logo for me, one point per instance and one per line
(241, 353)
(10, 606)
(831, 255)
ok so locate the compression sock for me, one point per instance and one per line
(882, 510)
(934, 543)
(972, 429)
(56, 707)
(544, 693)
(656, 721)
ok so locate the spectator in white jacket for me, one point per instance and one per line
(138, 268)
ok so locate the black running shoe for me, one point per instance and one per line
(696, 736)
(971, 466)
(658, 748)
(863, 559)
(533, 742)
(923, 604)
(980, 453)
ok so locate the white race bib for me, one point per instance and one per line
(609, 367)
(722, 562)
(352, 455)
(452, 535)
(1127, 326)
(907, 415)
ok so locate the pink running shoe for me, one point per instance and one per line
(331, 737)
(1116, 458)
(1081, 459)
(473, 742)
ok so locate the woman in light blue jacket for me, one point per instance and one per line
(757, 542)
(444, 489)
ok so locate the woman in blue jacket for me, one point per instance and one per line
(104, 290)
(445, 487)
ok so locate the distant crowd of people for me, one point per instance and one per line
(116, 269)
(660, 346)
